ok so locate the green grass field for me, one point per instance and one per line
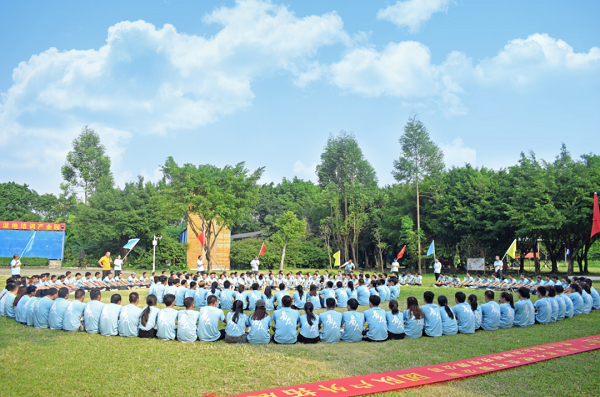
(44, 362)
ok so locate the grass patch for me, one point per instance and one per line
(78, 364)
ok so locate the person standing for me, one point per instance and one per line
(437, 269)
(104, 263)
(118, 263)
(395, 267)
(348, 267)
(254, 265)
(200, 265)
(498, 265)
(15, 266)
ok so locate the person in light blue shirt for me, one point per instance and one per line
(394, 288)
(569, 312)
(254, 296)
(92, 312)
(286, 322)
(542, 307)
(351, 291)
(187, 320)
(309, 326)
(42, 310)
(374, 289)
(587, 298)
(490, 313)
(208, 323)
(260, 324)
(594, 293)
(507, 310)
(551, 297)
(577, 300)
(129, 318)
(384, 292)
(299, 298)
(395, 322)
(270, 299)
(472, 300)
(160, 289)
(200, 297)
(560, 302)
(166, 319)
(190, 292)
(242, 295)
(57, 311)
(353, 323)
(327, 292)
(109, 319)
(235, 324)
(524, 310)
(9, 299)
(227, 296)
(449, 324)
(464, 314)
(418, 280)
(413, 319)
(74, 313)
(330, 323)
(147, 327)
(376, 321)
(23, 305)
(341, 296)
(314, 298)
(34, 302)
(432, 325)
(362, 293)
(279, 296)
(180, 293)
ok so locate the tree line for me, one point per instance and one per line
(469, 211)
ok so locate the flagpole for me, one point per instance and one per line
(508, 249)
(25, 249)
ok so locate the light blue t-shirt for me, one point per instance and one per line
(413, 328)
(270, 302)
(544, 311)
(159, 291)
(165, 323)
(351, 293)
(328, 293)
(286, 322)
(577, 303)
(478, 317)
(507, 316)
(394, 292)
(109, 319)
(569, 310)
(449, 325)
(341, 296)
(42, 311)
(587, 302)
(21, 309)
(554, 307)
(331, 321)
(253, 297)
(129, 320)
(376, 320)
(208, 323)
(595, 298)
(57, 313)
(561, 307)
(395, 322)
(363, 295)
(151, 322)
(278, 297)
(91, 316)
(315, 301)
(236, 329)
(299, 302)
(180, 296)
(524, 313)
(200, 297)
(259, 330)
(353, 323)
(31, 308)
(9, 308)
(307, 330)
(433, 319)
(73, 315)
(187, 329)
(465, 317)
(490, 316)
(227, 297)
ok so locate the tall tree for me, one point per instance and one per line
(86, 164)
(220, 196)
(420, 157)
(290, 229)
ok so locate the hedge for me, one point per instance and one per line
(27, 261)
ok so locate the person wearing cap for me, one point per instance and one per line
(260, 324)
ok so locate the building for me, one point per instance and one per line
(220, 252)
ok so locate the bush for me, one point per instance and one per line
(168, 250)
(27, 261)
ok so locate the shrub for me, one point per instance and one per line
(26, 261)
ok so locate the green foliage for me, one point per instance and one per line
(26, 261)
(19, 203)
(168, 251)
(290, 229)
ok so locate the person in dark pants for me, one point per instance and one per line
(105, 262)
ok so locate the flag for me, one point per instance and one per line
(262, 250)
(202, 238)
(29, 245)
(512, 250)
(336, 256)
(401, 253)
(131, 243)
(596, 218)
(568, 251)
(431, 249)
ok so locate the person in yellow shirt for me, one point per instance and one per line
(105, 262)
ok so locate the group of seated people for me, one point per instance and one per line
(509, 283)
(86, 282)
(293, 319)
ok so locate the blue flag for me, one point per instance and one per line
(431, 249)
(131, 243)
(29, 245)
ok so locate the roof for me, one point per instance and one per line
(246, 235)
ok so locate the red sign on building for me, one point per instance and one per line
(33, 226)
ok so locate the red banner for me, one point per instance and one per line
(376, 383)
(33, 226)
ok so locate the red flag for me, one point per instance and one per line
(262, 250)
(596, 218)
(202, 238)
(401, 253)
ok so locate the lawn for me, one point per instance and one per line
(42, 362)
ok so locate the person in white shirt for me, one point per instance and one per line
(118, 263)
(15, 266)
(254, 265)
(437, 269)
(200, 264)
(395, 267)
(498, 265)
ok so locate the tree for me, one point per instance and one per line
(420, 157)
(86, 164)
(221, 197)
(290, 229)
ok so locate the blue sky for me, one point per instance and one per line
(267, 82)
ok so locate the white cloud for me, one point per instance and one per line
(413, 14)
(456, 153)
(305, 171)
